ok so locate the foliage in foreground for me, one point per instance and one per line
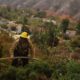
(39, 70)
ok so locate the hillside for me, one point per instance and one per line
(70, 7)
(55, 44)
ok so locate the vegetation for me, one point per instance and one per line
(56, 55)
(40, 14)
(43, 71)
(64, 25)
(78, 28)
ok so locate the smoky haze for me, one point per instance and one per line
(70, 7)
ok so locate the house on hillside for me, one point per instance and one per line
(71, 33)
(48, 20)
(19, 28)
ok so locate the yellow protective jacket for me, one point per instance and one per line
(22, 49)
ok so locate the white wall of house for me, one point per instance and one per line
(71, 33)
(19, 28)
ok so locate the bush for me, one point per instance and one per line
(38, 70)
(9, 73)
(64, 25)
(47, 37)
(78, 28)
(66, 71)
(40, 14)
(73, 70)
(32, 71)
(59, 69)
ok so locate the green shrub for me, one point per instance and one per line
(73, 70)
(39, 70)
(64, 25)
(8, 74)
(59, 69)
(66, 71)
(47, 37)
(78, 28)
(32, 71)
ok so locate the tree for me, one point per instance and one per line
(47, 37)
(64, 25)
(78, 28)
(52, 34)
(41, 14)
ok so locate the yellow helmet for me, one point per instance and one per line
(24, 35)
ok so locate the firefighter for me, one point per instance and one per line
(22, 48)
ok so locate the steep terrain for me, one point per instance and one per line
(70, 7)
